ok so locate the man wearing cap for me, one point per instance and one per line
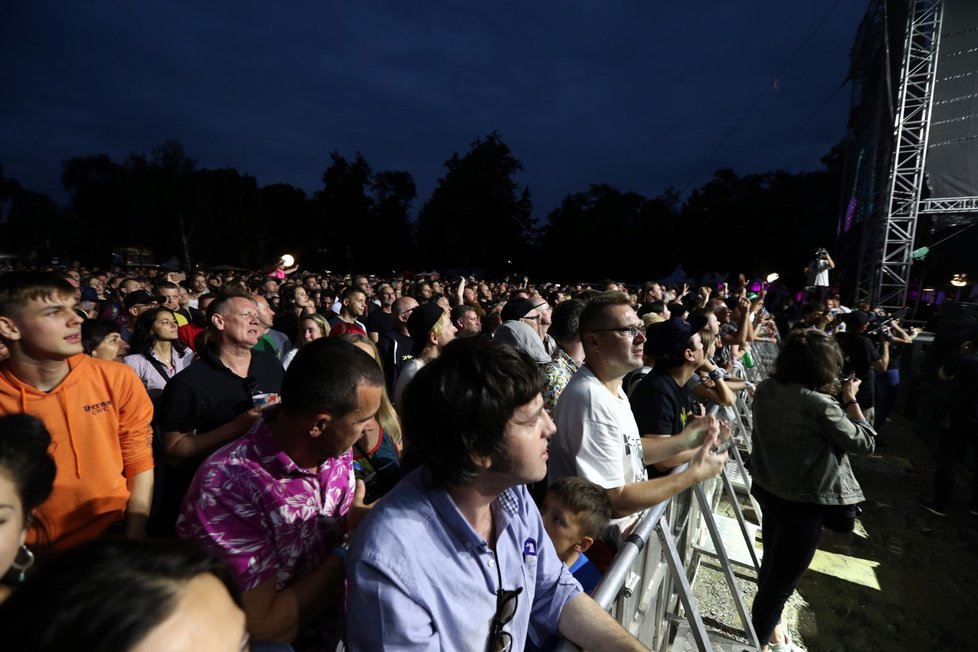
(542, 306)
(430, 329)
(597, 436)
(659, 402)
(114, 309)
(522, 310)
(522, 337)
(136, 303)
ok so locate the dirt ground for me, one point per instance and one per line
(926, 566)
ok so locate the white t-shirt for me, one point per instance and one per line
(597, 437)
(818, 273)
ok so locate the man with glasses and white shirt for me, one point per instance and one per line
(597, 436)
(456, 556)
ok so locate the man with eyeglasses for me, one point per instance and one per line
(456, 556)
(597, 436)
(524, 310)
(542, 306)
(211, 402)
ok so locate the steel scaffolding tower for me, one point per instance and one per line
(912, 125)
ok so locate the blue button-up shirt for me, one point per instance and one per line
(421, 578)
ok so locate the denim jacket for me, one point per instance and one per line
(800, 441)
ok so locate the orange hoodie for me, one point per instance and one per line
(99, 420)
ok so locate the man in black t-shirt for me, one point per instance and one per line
(659, 403)
(381, 319)
(395, 345)
(211, 402)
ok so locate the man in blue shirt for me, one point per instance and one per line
(456, 556)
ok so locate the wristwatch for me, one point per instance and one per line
(716, 374)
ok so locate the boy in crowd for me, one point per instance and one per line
(574, 512)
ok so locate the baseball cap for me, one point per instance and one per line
(671, 336)
(517, 309)
(140, 297)
(419, 324)
(522, 337)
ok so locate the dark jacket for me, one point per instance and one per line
(800, 442)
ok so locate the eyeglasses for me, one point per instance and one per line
(506, 604)
(633, 331)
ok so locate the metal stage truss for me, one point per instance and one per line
(888, 236)
(890, 248)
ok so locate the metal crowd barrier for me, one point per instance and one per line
(650, 576)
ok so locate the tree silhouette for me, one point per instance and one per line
(346, 209)
(393, 244)
(478, 216)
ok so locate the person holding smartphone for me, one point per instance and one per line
(803, 480)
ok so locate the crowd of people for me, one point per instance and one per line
(388, 463)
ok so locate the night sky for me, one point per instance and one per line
(637, 94)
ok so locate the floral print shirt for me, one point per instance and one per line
(557, 373)
(251, 506)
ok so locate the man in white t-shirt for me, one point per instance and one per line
(597, 437)
(817, 275)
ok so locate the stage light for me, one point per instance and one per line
(959, 280)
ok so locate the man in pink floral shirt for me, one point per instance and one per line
(277, 503)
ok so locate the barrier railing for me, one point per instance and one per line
(650, 575)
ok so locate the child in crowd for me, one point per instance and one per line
(574, 513)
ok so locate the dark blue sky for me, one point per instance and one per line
(637, 94)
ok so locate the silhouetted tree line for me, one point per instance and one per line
(477, 218)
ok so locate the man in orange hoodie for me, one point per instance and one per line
(98, 414)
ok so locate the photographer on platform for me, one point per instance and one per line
(817, 273)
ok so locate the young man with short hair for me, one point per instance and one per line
(481, 573)
(354, 305)
(98, 413)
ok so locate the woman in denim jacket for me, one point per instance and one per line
(802, 477)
